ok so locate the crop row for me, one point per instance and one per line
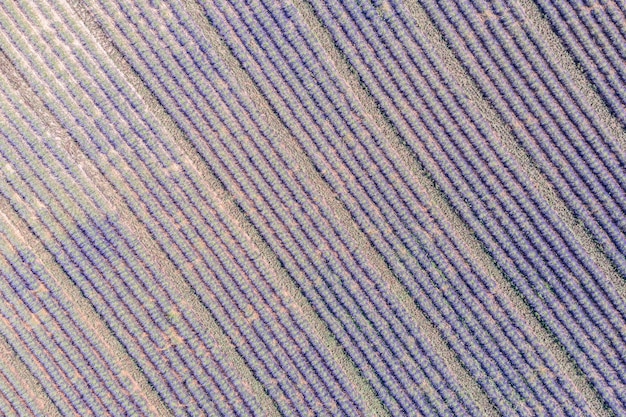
(104, 265)
(595, 36)
(16, 396)
(521, 180)
(278, 333)
(581, 256)
(265, 45)
(310, 86)
(224, 257)
(309, 124)
(586, 265)
(595, 208)
(53, 350)
(538, 141)
(517, 108)
(328, 194)
(225, 156)
(597, 166)
(58, 333)
(72, 232)
(22, 162)
(386, 81)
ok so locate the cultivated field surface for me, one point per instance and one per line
(313, 208)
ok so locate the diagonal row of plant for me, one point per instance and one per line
(297, 133)
(617, 301)
(595, 295)
(325, 87)
(533, 125)
(11, 402)
(47, 352)
(5, 402)
(310, 86)
(190, 368)
(298, 190)
(279, 333)
(581, 135)
(408, 93)
(225, 297)
(59, 334)
(591, 269)
(598, 297)
(545, 165)
(226, 169)
(49, 295)
(26, 152)
(16, 398)
(595, 36)
(71, 229)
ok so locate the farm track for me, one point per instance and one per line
(312, 207)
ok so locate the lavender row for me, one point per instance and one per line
(47, 354)
(585, 144)
(599, 299)
(572, 101)
(41, 365)
(101, 263)
(483, 150)
(361, 197)
(325, 88)
(596, 42)
(518, 109)
(104, 267)
(93, 380)
(266, 47)
(250, 194)
(6, 406)
(57, 306)
(539, 103)
(14, 400)
(17, 166)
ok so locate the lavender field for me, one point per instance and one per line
(313, 208)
